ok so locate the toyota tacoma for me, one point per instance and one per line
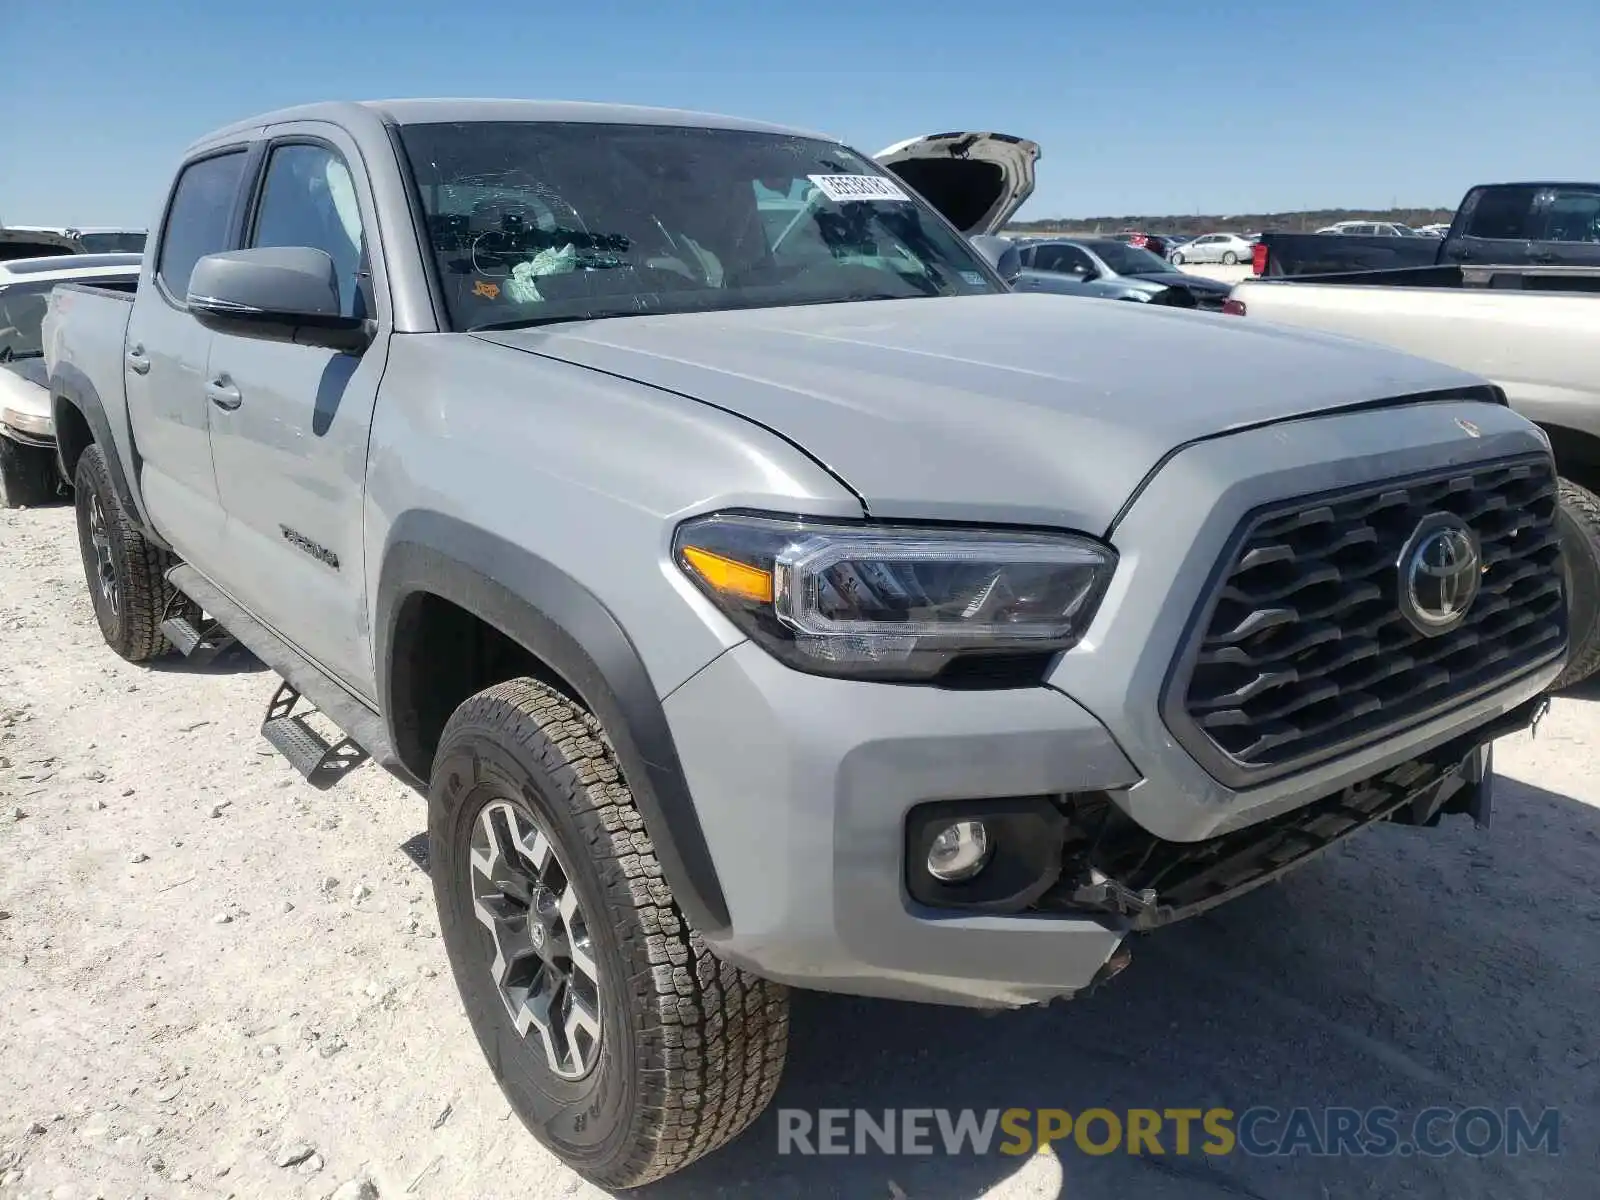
(762, 593)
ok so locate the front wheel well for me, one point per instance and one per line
(1577, 455)
(443, 654)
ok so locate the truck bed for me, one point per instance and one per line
(1299, 254)
(85, 334)
(1533, 331)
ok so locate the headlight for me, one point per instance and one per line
(893, 602)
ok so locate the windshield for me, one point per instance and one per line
(538, 222)
(1131, 260)
(22, 308)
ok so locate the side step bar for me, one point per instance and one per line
(199, 645)
(322, 763)
(285, 727)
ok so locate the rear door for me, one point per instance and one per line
(290, 422)
(165, 358)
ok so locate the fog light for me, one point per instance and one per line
(959, 852)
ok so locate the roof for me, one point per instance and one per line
(355, 114)
(67, 266)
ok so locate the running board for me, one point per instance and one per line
(197, 645)
(313, 756)
(321, 762)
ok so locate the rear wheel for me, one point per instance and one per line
(617, 1037)
(1578, 522)
(27, 475)
(125, 571)
(1230, 259)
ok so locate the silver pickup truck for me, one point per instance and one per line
(1532, 330)
(762, 594)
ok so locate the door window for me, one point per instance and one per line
(308, 199)
(1068, 260)
(1572, 215)
(197, 221)
(1502, 214)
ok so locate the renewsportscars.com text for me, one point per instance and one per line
(1259, 1131)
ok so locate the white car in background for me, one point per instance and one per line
(28, 471)
(1370, 229)
(1225, 248)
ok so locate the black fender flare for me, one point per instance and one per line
(563, 624)
(71, 388)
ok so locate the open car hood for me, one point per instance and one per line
(977, 180)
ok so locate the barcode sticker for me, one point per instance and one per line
(858, 187)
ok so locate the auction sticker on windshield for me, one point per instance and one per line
(858, 187)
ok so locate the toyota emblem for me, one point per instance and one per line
(1441, 569)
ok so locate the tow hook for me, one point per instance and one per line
(1538, 715)
(1119, 961)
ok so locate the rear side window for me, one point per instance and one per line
(197, 222)
(1502, 214)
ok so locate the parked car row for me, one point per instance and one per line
(28, 470)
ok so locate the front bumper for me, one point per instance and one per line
(804, 784)
(26, 420)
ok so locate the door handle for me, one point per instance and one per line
(137, 362)
(221, 392)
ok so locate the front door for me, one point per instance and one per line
(165, 360)
(1567, 229)
(289, 423)
(1498, 226)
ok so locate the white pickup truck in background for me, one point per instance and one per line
(1534, 331)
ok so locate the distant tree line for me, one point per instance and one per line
(1297, 222)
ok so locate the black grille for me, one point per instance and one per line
(1303, 651)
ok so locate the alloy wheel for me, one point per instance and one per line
(544, 967)
(105, 564)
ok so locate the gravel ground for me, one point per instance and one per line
(219, 981)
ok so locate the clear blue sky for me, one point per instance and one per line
(1163, 106)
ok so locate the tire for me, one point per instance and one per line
(690, 1049)
(1177, 258)
(126, 573)
(27, 475)
(1578, 522)
(1230, 259)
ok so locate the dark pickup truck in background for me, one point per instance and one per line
(1504, 224)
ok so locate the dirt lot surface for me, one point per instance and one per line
(218, 981)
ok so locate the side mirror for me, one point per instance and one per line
(282, 293)
(1001, 254)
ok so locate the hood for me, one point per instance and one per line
(1198, 284)
(1015, 408)
(977, 180)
